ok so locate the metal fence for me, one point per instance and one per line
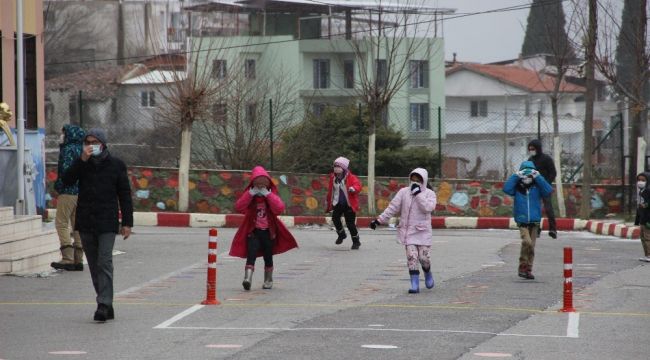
(475, 144)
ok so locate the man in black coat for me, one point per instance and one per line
(545, 165)
(104, 190)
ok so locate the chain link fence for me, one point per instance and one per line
(476, 144)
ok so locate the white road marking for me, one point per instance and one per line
(223, 346)
(493, 355)
(189, 311)
(573, 325)
(353, 329)
(377, 346)
(67, 352)
(158, 279)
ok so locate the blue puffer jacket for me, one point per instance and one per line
(69, 151)
(527, 208)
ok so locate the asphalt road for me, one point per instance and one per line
(329, 302)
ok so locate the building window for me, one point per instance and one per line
(420, 117)
(348, 74)
(382, 73)
(419, 70)
(251, 112)
(318, 109)
(321, 73)
(147, 99)
(249, 69)
(478, 108)
(220, 113)
(219, 69)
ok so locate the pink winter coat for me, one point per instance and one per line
(414, 226)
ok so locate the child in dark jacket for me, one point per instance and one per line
(528, 187)
(343, 200)
(261, 233)
(643, 213)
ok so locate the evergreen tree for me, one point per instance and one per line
(628, 49)
(545, 30)
(312, 145)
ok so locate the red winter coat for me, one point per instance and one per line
(283, 240)
(353, 197)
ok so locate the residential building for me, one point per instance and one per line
(319, 55)
(493, 111)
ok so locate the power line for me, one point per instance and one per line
(498, 10)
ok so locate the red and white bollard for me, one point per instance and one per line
(211, 297)
(568, 280)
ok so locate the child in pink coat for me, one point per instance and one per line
(261, 233)
(414, 205)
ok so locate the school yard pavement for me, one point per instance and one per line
(330, 302)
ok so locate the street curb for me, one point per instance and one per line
(437, 222)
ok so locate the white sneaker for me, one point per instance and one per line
(646, 259)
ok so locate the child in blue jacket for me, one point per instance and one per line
(528, 188)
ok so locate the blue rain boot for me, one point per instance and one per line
(415, 284)
(428, 279)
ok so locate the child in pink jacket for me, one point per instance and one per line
(414, 205)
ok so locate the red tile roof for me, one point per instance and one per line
(520, 77)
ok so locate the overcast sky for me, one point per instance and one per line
(486, 37)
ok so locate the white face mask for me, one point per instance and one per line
(640, 184)
(532, 153)
(338, 170)
(527, 180)
(97, 149)
(414, 182)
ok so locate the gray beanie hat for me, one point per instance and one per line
(98, 133)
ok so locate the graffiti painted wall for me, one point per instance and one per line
(155, 189)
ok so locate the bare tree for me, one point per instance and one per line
(394, 35)
(243, 116)
(623, 40)
(69, 28)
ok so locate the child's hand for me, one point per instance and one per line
(263, 191)
(535, 174)
(415, 189)
(253, 191)
(351, 189)
(374, 223)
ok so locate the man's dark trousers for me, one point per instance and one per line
(99, 253)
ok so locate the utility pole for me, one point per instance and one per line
(21, 208)
(590, 51)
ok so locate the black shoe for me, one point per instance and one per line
(355, 243)
(522, 274)
(111, 313)
(342, 236)
(553, 234)
(101, 314)
(67, 267)
(529, 276)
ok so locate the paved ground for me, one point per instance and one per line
(329, 302)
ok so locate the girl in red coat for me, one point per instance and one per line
(261, 233)
(343, 200)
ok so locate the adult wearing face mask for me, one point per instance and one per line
(104, 190)
(343, 200)
(70, 147)
(546, 166)
(643, 213)
(528, 187)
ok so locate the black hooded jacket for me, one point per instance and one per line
(643, 206)
(543, 162)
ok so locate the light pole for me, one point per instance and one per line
(20, 117)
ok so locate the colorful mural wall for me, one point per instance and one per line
(155, 189)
